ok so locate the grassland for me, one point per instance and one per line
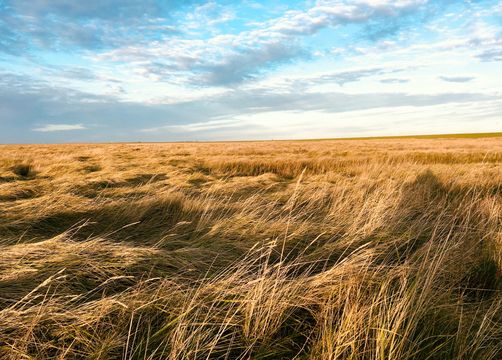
(357, 249)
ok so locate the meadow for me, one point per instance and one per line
(332, 249)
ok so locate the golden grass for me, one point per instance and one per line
(361, 249)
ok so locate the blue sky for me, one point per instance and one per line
(147, 70)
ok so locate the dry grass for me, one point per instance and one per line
(367, 249)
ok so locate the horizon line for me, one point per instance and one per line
(382, 137)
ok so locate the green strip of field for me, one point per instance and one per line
(435, 136)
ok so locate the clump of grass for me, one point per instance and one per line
(197, 178)
(24, 170)
(92, 168)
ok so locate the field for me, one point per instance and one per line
(333, 249)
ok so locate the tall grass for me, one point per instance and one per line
(275, 257)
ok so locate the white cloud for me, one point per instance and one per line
(229, 59)
(60, 127)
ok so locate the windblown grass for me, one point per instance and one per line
(377, 249)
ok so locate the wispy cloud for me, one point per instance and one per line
(60, 127)
(438, 118)
(394, 81)
(493, 54)
(457, 79)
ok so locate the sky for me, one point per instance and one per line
(173, 70)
